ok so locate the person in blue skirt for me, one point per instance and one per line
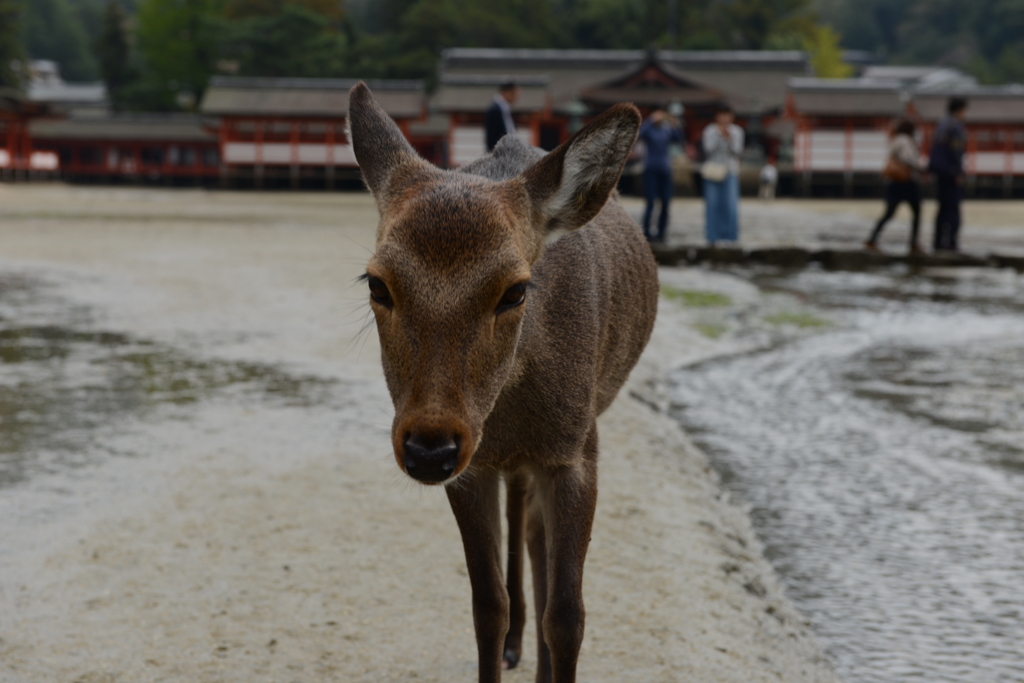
(723, 146)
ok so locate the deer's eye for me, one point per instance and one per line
(513, 296)
(379, 291)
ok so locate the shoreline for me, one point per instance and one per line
(247, 539)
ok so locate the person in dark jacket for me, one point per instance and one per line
(498, 120)
(658, 132)
(947, 163)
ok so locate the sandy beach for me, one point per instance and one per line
(266, 534)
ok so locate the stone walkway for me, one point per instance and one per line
(814, 225)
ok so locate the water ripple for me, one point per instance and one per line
(883, 460)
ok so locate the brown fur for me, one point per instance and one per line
(509, 392)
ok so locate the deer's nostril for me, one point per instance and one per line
(431, 458)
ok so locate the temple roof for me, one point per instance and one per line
(306, 97)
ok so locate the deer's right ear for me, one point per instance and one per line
(570, 185)
(380, 148)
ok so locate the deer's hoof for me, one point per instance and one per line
(510, 660)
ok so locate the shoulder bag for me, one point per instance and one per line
(896, 171)
(714, 171)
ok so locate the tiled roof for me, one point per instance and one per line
(470, 97)
(495, 80)
(134, 127)
(653, 84)
(847, 96)
(889, 96)
(312, 83)
(749, 80)
(844, 84)
(461, 57)
(68, 93)
(985, 104)
(306, 97)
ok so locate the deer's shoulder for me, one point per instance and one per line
(510, 157)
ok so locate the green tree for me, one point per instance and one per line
(113, 52)
(752, 23)
(388, 13)
(11, 48)
(999, 29)
(179, 43)
(415, 31)
(609, 24)
(295, 41)
(822, 44)
(331, 10)
(982, 36)
(872, 25)
(638, 24)
(51, 30)
(89, 15)
(437, 24)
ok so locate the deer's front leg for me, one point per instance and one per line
(515, 487)
(569, 496)
(474, 500)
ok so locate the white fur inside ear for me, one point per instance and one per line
(591, 162)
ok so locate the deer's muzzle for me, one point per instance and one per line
(431, 459)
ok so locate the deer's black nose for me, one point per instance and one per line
(430, 459)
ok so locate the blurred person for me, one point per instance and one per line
(498, 119)
(723, 146)
(946, 161)
(769, 180)
(903, 184)
(658, 133)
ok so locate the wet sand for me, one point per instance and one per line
(248, 540)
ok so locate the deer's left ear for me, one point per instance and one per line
(380, 148)
(570, 185)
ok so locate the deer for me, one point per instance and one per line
(512, 297)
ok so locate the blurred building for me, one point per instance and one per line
(15, 144)
(274, 130)
(47, 96)
(65, 99)
(843, 125)
(291, 131)
(829, 135)
(167, 148)
(563, 89)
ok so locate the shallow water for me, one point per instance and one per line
(883, 459)
(67, 388)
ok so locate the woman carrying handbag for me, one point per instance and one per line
(723, 147)
(902, 173)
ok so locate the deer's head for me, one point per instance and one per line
(450, 280)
